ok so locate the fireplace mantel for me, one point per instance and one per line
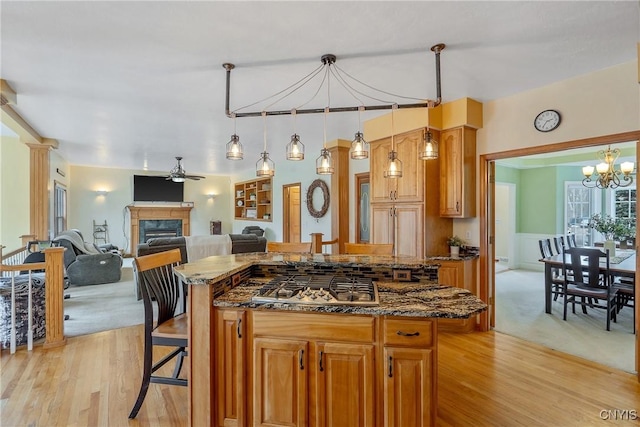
(138, 213)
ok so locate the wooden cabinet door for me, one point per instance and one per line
(458, 173)
(231, 372)
(343, 388)
(409, 387)
(451, 173)
(381, 188)
(382, 223)
(280, 382)
(409, 188)
(409, 229)
(449, 273)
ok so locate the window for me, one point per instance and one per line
(624, 203)
(59, 208)
(580, 203)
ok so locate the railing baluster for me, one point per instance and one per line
(13, 313)
(30, 313)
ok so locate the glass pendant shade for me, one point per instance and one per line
(265, 166)
(394, 166)
(359, 147)
(295, 148)
(429, 147)
(234, 148)
(324, 163)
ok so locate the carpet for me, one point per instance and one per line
(520, 313)
(97, 308)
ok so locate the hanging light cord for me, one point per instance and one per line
(339, 70)
(293, 88)
(395, 106)
(324, 77)
(264, 129)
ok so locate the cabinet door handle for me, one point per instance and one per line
(395, 194)
(408, 334)
(390, 195)
(238, 328)
(390, 211)
(300, 356)
(457, 206)
(320, 362)
(390, 366)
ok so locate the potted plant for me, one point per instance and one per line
(612, 229)
(454, 243)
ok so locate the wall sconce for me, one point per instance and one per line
(211, 196)
(101, 192)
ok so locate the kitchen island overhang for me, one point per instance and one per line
(408, 289)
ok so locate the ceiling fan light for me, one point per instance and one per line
(295, 148)
(177, 179)
(324, 163)
(359, 147)
(265, 166)
(234, 148)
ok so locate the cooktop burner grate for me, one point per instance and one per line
(319, 290)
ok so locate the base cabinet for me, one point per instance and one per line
(321, 370)
(280, 382)
(407, 387)
(461, 274)
(230, 358)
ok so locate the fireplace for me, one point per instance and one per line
(163, 221)
(152, 228)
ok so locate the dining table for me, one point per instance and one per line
(623, 264)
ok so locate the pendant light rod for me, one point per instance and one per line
(330, 59)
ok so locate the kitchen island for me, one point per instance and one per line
(274, 363)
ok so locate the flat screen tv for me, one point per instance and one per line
(156, 189)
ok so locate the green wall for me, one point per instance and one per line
(539, 196)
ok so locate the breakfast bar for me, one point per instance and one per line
(299, 339)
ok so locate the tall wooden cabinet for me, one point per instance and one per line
(405, 211)
(458, 173)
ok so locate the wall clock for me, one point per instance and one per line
(547, 121)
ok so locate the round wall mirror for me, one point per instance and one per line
(318, 184)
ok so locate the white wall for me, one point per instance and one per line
(600, 103)
(85, 205)
(14, 192)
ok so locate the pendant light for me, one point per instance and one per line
(429, 146)
(324, 163)
(234, 147)
(264, 165)
(394, 165)
(295, 148)
(359, 147)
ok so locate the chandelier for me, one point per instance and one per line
(326, 72)
(607, 176)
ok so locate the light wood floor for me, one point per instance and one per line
(485, 379)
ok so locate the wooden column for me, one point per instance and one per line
(339, 205)
(54, 298)
(39, 190)
(200, 376)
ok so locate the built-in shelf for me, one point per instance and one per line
(253, 199)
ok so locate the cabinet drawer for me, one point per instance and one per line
(411, 333)
(313, 326)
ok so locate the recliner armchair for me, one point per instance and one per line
(86, 263)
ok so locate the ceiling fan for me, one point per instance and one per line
(178, 174)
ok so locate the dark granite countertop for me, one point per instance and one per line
(418, 299)
(396, 299)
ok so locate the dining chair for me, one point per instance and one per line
(626, 296)
(368, 248)
(545, 248)
(289, 247)
(588, 282)
(571, 241)
(559, 244)
(159, 285)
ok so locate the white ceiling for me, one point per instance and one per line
(129, 84)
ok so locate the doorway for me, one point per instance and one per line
(487, 220)
(505, 220)
(291, 224)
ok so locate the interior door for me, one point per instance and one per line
(291, 226)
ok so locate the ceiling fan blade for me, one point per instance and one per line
(194, 177)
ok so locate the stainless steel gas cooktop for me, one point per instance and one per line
(319, 290)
